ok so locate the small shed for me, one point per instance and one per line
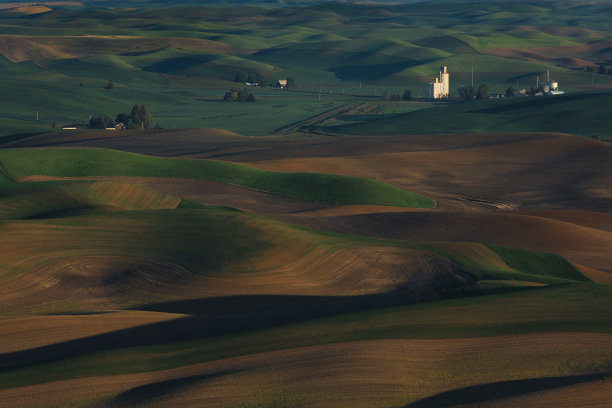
(281, 83)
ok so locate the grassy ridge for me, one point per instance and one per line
(538, 263)
(307, 186)
(506, 265)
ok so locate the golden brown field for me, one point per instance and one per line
(261, 332)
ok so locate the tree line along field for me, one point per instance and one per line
(180, 61)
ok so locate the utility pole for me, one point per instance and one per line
(473, 72)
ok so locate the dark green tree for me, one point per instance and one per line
(290, 83)
(101, 122)
(109, 85)
(388, 96)
(231, 96)
(123, 118)
(139, 118)
(241, 76)
(603, 69)
(467, 92)
(252, 78)
(145, 117)
(510, 91)
(243, 95)
(483, 91)
(260, 79)
(238, 96)
(407, 95)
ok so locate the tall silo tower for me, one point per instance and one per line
(440, 88)
(444, 78)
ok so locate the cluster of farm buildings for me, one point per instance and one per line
(440, 87)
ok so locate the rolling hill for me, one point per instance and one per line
(180, 60)
(580, 114)
(321, 247)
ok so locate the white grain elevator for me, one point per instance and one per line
(439, 89)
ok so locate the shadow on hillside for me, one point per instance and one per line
(500, 390)
(215, 317)
(156, 390)
(211, 317)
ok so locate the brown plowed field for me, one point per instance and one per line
(544, 192)
(583, 245)
(547, 192)
(378, 373)
(471, 171)
(87, 283)
(27, 332)
(39, 49)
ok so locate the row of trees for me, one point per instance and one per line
(250, 77)
(243, 95)
(138, 118)
(469, 92)
(388, 96)
(602, 69)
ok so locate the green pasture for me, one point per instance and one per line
(64, 100)
(508, 265)
(337, 48)
(580, 114)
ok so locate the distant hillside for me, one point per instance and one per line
(581, 114)
(179, 59)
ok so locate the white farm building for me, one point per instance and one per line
(439, 89)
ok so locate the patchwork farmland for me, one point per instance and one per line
(323, 246)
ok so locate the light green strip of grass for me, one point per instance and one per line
(539, 263)
(318, 187)
(500, 264)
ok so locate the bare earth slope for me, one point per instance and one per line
(536, 177)
(222, 338)
(528, 171)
